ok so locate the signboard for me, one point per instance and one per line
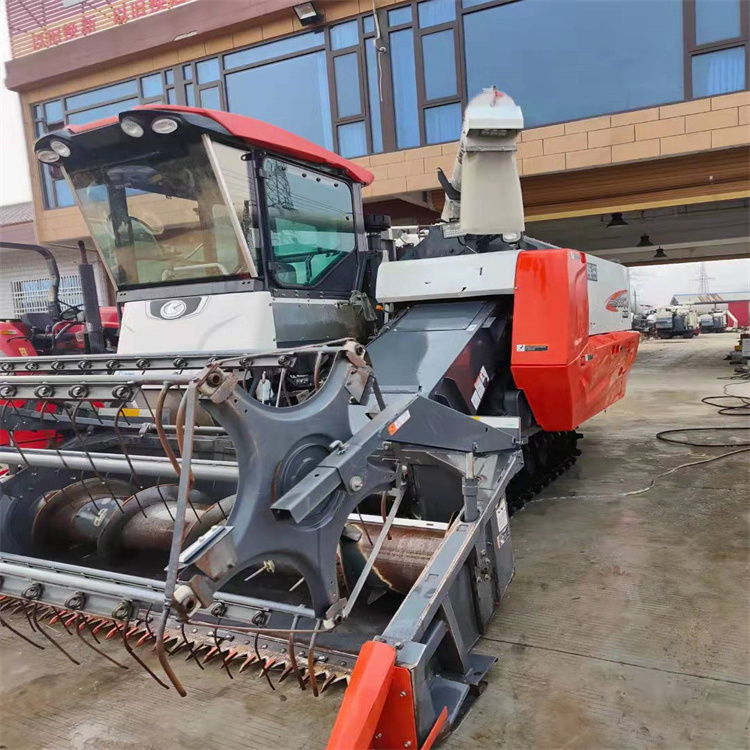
(35, 25)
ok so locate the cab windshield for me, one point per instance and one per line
(161, 219)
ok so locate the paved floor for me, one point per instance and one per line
(627, 625)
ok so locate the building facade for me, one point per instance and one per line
(635, 109)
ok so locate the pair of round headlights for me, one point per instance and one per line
(59, 149)
(161, 125)
(56, 150)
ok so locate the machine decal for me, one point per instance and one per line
(174, 309)
(591, 272)
(618, 302)
(502, 523)
(480, 386)
(398, 423)
(531, 348)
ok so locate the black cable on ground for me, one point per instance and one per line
(741, 447)
(662, 436)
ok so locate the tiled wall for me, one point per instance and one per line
(688, 127)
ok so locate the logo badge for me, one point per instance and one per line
(173, 309)
(618, 301)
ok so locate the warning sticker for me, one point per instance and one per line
(398, 423)
(531, 348)
(480, 386)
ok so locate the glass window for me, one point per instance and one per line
(439, 64)
(433, 12)
(344, 35)
(63, 196)
(716, 20)
(589, 58)
(187, 72)
(171, 96)
(346, 70)
(90, 98)
(190, 94)
(38, 111)
(368, 24)
(100, 113)
(274, 49)
(399, 15)
(151, 86)
(443, 124)
(404, 88)
(243, 197)
(719, 72)
(311, 220)
(352, 139)
(472, 3)
(373, 95)
(170, 77)
(53, 112)
(255, 93)
(160, 219)
(207, 70)
(211, 98)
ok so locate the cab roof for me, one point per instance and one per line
(256, 132)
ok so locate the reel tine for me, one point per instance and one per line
(311, 659)
(262, 661)
(28, 618)
(20, 634)
(189, 644)
(293, 657)
(227, 659)
(137, 658)
(328, 682)
(52, 640)
(79, 632)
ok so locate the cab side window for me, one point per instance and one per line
(311, 221)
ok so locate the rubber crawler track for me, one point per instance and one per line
(545, 456)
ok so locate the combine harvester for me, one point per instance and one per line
(677, 322)
(298, 458)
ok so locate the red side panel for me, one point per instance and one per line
(741, 311)
(567, 376)
(13, 343)
(109, 317)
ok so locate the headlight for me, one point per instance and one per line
(60, 148)
(131, 127)
(164, 125)
(47, 156)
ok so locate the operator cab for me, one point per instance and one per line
(254, 234)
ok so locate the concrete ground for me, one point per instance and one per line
(627, 625)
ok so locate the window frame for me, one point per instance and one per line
(269, 255)
(692, 49)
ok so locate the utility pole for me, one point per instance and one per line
(703, 279)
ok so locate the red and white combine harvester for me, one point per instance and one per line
(302, 443)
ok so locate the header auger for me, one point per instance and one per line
(302, 453)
